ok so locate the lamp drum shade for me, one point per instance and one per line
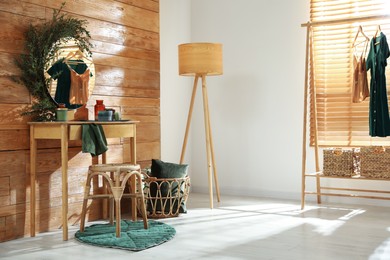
(200, 58)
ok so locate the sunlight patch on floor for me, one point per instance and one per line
(382, 251)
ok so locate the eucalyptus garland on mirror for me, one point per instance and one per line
(43, 41)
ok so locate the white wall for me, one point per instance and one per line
(256, 106)
(175, 27)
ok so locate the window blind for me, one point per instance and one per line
(334, 25)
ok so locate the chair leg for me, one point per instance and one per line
(118, 217)
(83, 214)
(111, 213)
(141, 200)
(85, 202)
(143, 212)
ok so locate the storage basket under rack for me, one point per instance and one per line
(375, 162)
(166, 196)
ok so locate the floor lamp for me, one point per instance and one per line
(201, 60)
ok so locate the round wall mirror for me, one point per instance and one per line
(63, 40)
(72, 76)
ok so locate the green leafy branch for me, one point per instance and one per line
(43, 42)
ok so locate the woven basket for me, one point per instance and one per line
(339, 162)
(166, 197)
(375, 162)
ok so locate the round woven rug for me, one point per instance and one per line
(133, 235)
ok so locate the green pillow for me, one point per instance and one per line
(162, 170)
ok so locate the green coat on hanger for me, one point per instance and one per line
(379, 122)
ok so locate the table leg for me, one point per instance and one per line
(133, 147)
(33, 162)
(133, 180)
(104, 158)
(64, 159)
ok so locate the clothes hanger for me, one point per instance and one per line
(378, 31)
(365, 41)
(360, 30)
(76, 54)
(70, 54)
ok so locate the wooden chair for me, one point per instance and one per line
(116, 177)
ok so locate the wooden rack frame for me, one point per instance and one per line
(318, 174)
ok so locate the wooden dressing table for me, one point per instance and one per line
(66, 131)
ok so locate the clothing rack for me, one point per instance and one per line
(317, 174)
(346, 20)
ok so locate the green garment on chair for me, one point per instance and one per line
(93, 139)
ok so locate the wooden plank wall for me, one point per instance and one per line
(125, 34)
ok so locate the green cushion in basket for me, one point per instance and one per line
(161, 170)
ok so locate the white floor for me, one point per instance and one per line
(240, 228)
